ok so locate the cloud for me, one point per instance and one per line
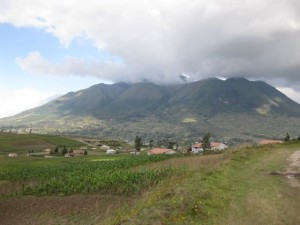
(37, 64)
(158, 40)
(16, 101)
(291, 93)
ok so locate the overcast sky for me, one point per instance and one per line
(48, 48)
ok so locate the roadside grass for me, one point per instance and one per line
(232, 188)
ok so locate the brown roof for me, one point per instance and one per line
(157, 151)
(198, 145)
(266, 141)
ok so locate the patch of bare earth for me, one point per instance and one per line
(293, 169)
(67, 210)
(292, 172)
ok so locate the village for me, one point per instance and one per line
(196, 148)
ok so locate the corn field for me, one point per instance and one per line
(70, 177)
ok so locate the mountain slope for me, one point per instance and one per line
(185, 109)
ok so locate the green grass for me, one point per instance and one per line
(234, 187)
(21, 143)
(65, 177)
(231, 188)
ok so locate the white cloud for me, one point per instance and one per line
(159, 39)
(37, 64)
(16, 101)
(291, 93)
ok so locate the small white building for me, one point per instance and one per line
(214, 146)
(104, 147)
(47, 151)
(67, 155)
(111, 151)
(197, 148)
(13, 154)
(135, 153)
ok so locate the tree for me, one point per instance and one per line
(64, 150)
(151, 144)
(206, 141)
(287, 137)
(56, 149)
(85, 152)
(138, 143)
(171, 144)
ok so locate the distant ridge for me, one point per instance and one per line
(190, 108)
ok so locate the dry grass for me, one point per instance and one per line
(232, 188)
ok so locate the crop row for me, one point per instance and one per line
(87, 176)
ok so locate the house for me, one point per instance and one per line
(215, 146)
(47, 151)
(67, 155)
(13, 154)
(104, 147)
(111, 151)
(197, 148)
(79, 152)
(218, 146)
(266, 142)
(159, 151)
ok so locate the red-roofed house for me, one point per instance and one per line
(217, 146)
(197, 148)
(158, 151)
(266, 142)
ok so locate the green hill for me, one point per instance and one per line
(232, 108)
(22, 143)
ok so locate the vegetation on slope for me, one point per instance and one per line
(234, 187)
(83, 176)
(22, 143)
(120, 110)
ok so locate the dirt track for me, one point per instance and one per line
(293, 169)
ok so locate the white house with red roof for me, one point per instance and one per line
(197, 148)
(215, 146)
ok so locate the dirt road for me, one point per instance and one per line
(293, 170)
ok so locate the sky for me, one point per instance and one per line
(49, 48)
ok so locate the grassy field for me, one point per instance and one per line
(235, 187)
(231, 188)
(22, 143)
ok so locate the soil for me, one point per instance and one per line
(67, 210)
(292, 171)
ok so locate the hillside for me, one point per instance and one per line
(246, 185)
(234, 108)
(22, 143)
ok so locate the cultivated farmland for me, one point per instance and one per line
(246, 185)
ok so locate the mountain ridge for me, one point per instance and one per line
(191, 108)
